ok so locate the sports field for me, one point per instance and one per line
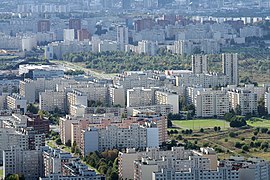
(201, 123)
(259, 123)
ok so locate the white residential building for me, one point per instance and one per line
(51, 100)
(140, 97)
(10, 137)
(117, 96)
(69, 34)
(76, 98)
(16, 102)
(210, 103)
(245, 99)
(167, 97)
(26, 162)
(267, 102)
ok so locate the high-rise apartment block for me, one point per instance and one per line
(122, 37)
(44, 25)
(230, 67)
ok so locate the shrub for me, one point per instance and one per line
(245, 148)
(238, 145)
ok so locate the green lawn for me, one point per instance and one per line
(1, 173)
(201, 123)
(259, 123)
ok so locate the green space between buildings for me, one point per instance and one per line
(201, 123)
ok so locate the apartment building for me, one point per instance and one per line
(126, 159)
(230, 67)
(181, 164)
(199, 64)
(193, 173)
(210, 103)
(51, 101)
(203, 80)
(39, 124)
(26, 162)
(122, 37)
(74, 170)
(53, 161)
(140, 97)
(146, 167)
(65, 128)
(246, 100)
(248, 169)
(76, 128)
(3, 100)
(152, 118)
(9, 86)
(117, 96)
(11, 137)
(167, 97)
(28, 90)
(96, 92)
(16, 102)
(76, 98)
(122, 135)
(163, 109)
(132, 79)
(267, 101)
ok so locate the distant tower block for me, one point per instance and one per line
(199, 64)
(44, 25)
(230, 67)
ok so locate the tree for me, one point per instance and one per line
(238, 145)
(245, 148)
(238, 122)
(32, 109)
(232, 134)
(238, 110)
(113, 176)
(264, 130)
(192, 109)
(228, 116)
(15, 177)
(68, 143)
(58, 141)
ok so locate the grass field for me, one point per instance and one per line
(201, 123)
(1, 173)
(259, 123)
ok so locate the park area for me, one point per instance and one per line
(201, 123)
(250, 141)
(257, 122)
